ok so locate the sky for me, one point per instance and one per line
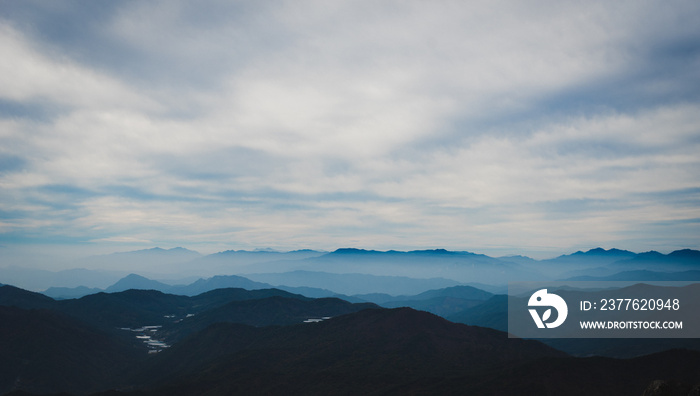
(498, 127)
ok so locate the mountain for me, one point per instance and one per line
(689, 255)
(45, 351)
(236, 341)
(580, 261)
(462, 292)
(621, 348)
(679, 260)
(136, 308)
(441, 302)
(133, 281)
(375, 351)
(270, 311)
(217, 282)
(492, 313)
(216, 298)
(316, 292)
(397, 351)
(350, 284)
(64, 293)
(298, 281)
(244, 261)
(643, 275)
(244, 257)
(441, 306)
(130, 308)
(138, 282)
(461, 266)
(597, 254)
(593, 376)
(599, 262)
(458, 265)
(518, 259)
(15, 297)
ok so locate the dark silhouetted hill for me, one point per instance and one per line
(64, 293)
(492, 313)
(15, 297)
(442, 302)
(591, 376)
(131, 308)
(350, 284)
(373, 351)
(270, 311)
(399, 351)
(367, 351)
(44, 351)
(136, 308)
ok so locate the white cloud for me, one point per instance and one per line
(378, 122)
(32, 74)
(123, 239)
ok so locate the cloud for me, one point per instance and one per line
(28, 75)
(390, 124)
(129, 240)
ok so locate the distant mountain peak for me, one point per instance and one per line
(266, 250)
(135, 281)
(517, 256)
(438, 251)
(352, 251)
(255, 251)
(133, 276)
(650, 254)
(434, 251)
(181, 249)
(610, 252)
(600, 252)
(686, 254)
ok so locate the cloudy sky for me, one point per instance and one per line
(499, 127)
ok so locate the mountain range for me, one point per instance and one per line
(236, 341)
(303, 282)
(442, 301)
(179, 266)
(351, 321)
